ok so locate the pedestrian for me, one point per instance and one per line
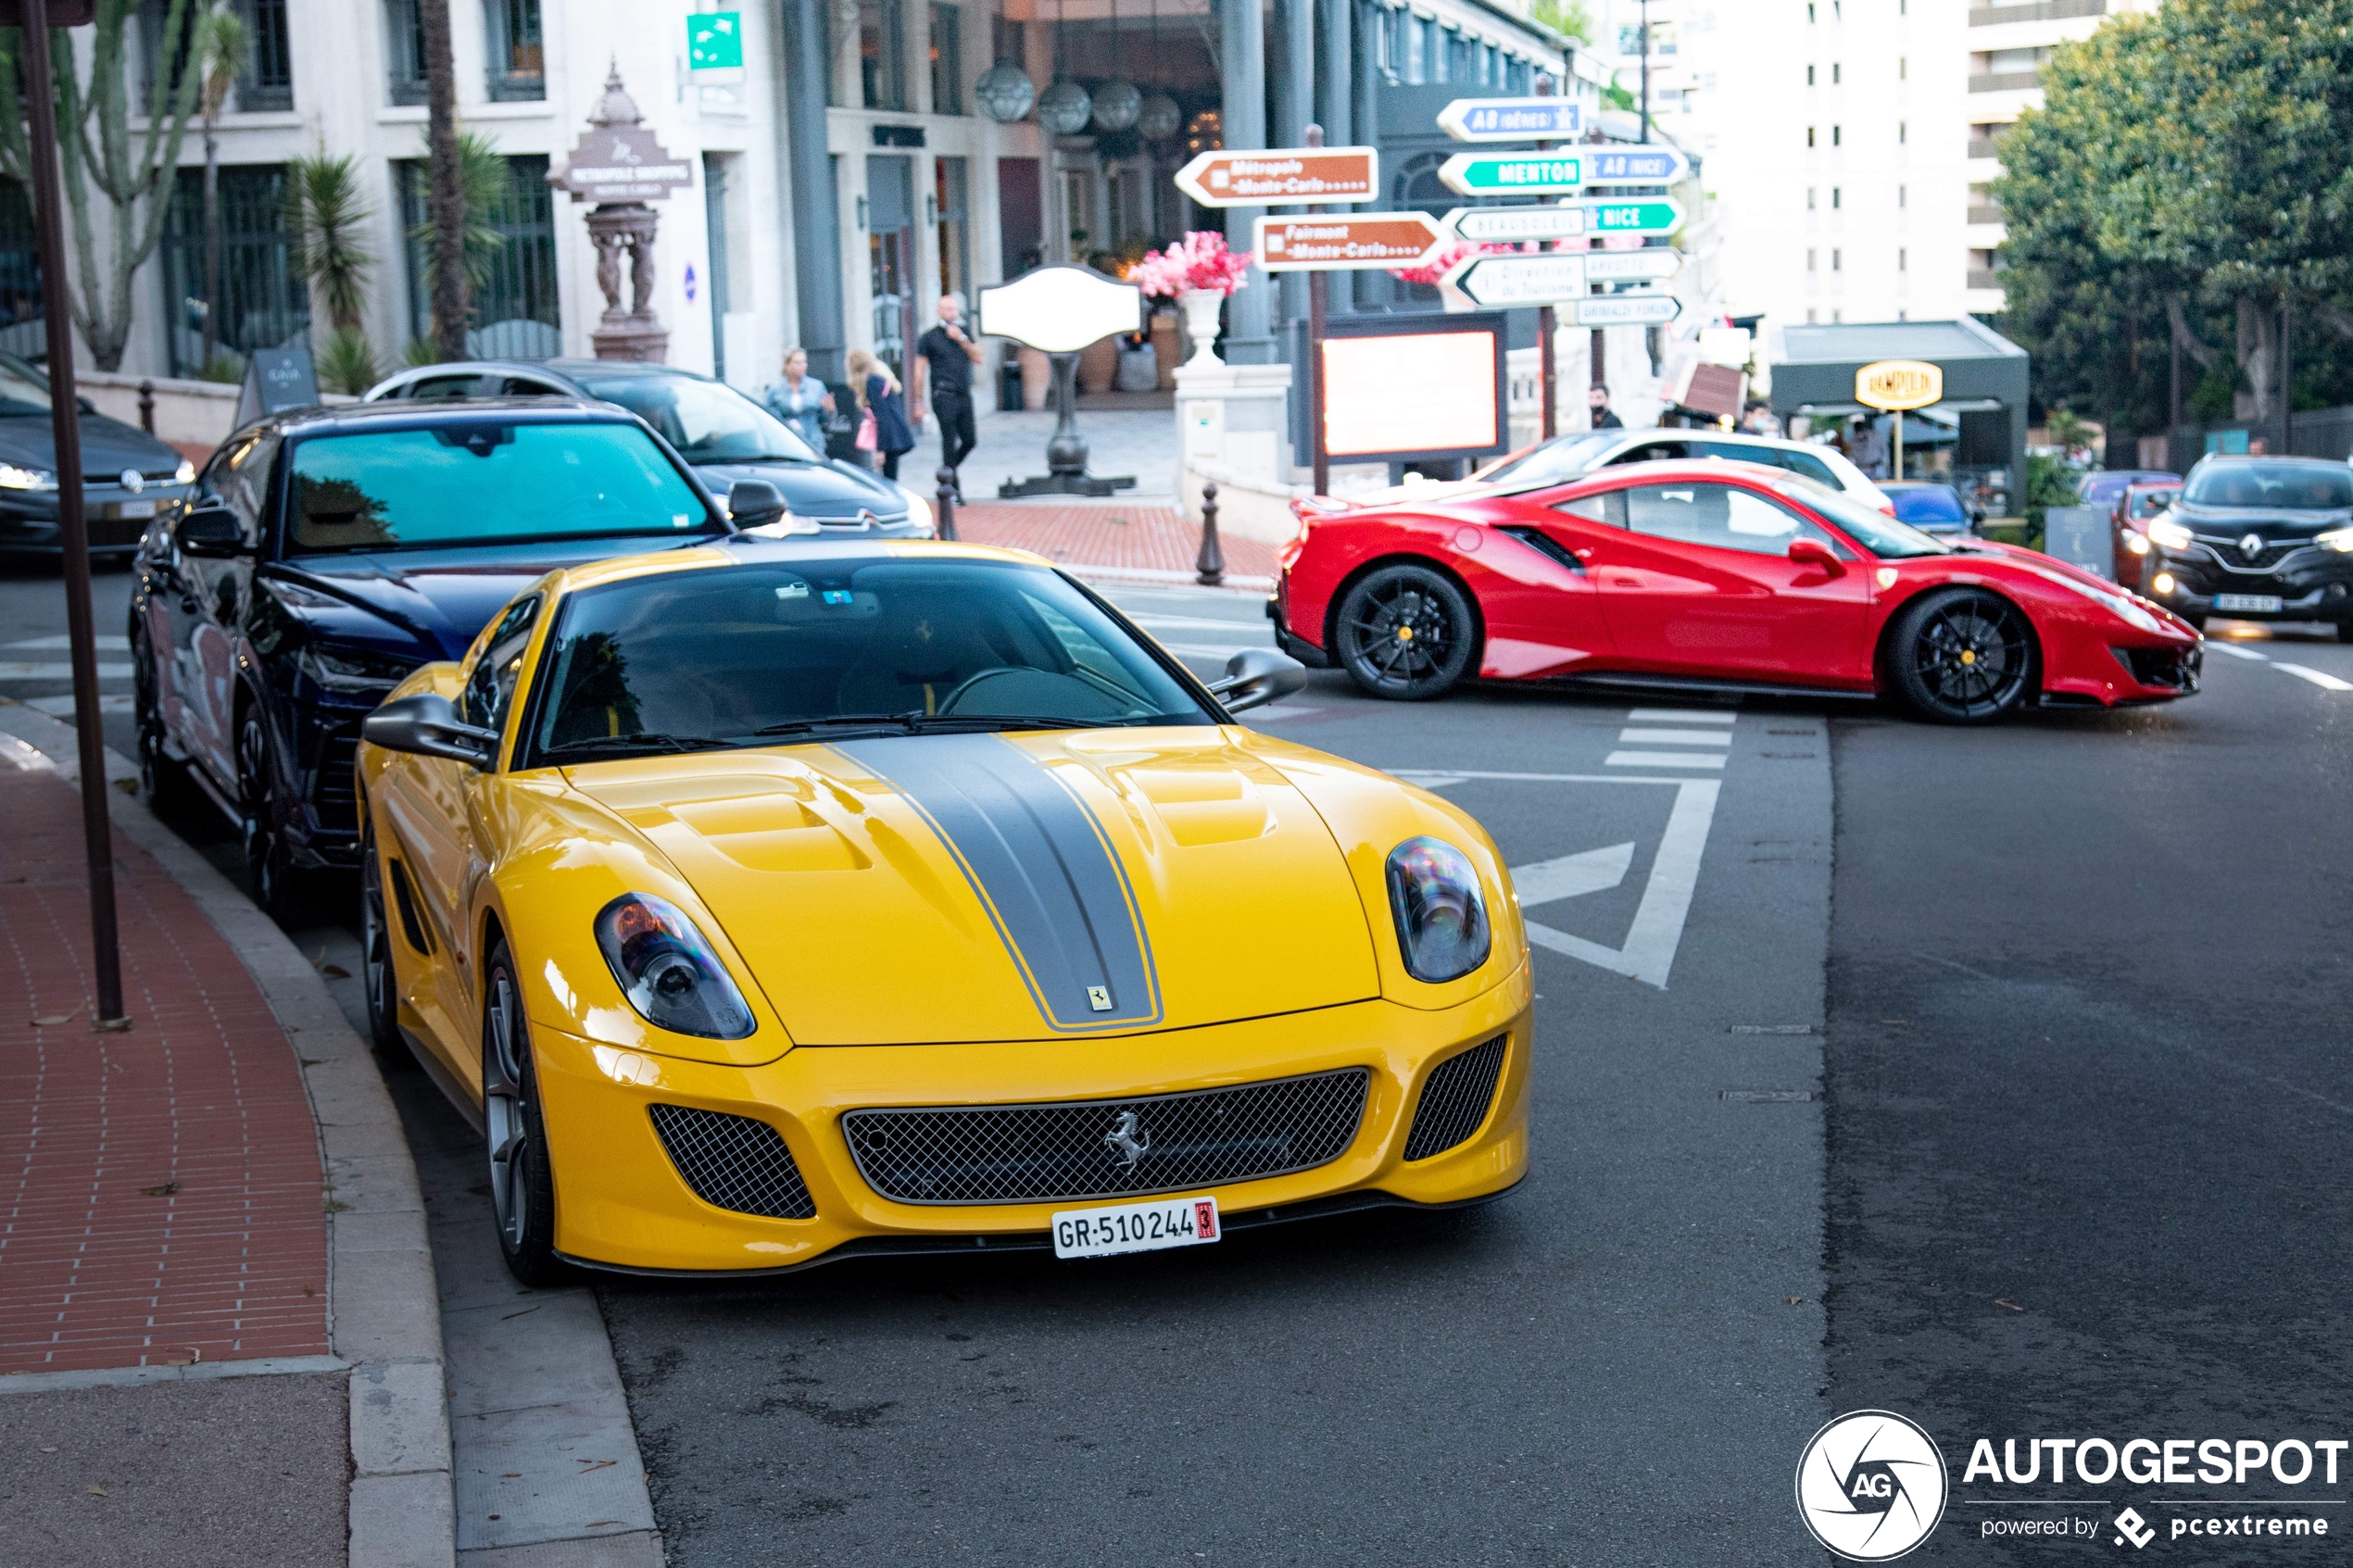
(883, 431)
(800, 399)
(949, 355)
(1597, 400)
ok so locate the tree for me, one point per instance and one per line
(447, 203)
(101, 154)
(220, 49)
(327, 213)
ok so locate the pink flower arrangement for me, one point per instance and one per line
(1199, 261)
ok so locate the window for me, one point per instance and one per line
(1811, 256)
(1903, 259)
(154, 15)
(518, 67)
(1835, 135)
(22, 329)
(1809, 135)
(1902, 133)
(1809, 13)
(1837, 198)
(1903, 196)
(1441, 53)
(1809, 198)
(1838, 260)
(1722, 516)
(1809, 76)
(267, 83)
(882, 72)
(947, 60)
(490, 689)
(520, 288)
(261, 306)
(1417, 49)
(1835, 77)
(955, 264)
(1903, 68)
(404, 51)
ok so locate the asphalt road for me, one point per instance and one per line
(2070, 991)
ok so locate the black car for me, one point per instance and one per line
(127, 476)
(327, 553)
(2257, 539)
(726, 436)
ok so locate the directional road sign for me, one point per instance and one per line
(1652, 266)
(1512, 120)
(1282, 177)
(1360, 241)
(1491, 225)
(1655, 214)
(1499, 174)
(1635, 166)
(1502, 282)
(1627, 310)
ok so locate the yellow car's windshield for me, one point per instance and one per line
(780, 653)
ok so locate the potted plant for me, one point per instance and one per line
(1197, 271)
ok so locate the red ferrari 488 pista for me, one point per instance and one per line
(1711, 576)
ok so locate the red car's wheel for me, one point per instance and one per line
(1962, 656)
(1405, 632)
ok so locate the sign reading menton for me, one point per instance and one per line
(1899, 383)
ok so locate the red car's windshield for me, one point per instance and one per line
(1875, 531)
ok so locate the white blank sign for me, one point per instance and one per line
(1421, 392)
(1061, 309)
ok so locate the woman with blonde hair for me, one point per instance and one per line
(800, 399)
(883, 430)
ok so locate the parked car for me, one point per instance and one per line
(324, 554)
(1713, 577)
(128, 475)
(1573, 457)
(2100, 487)
(2136, 507)
(724, 434)
(1931, 506)
(2257, 539)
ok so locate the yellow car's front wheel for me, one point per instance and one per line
(522, 1196)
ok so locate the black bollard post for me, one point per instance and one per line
(946, 497)
(1211, 563)
(147, 406)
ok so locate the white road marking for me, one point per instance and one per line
(31, 671)
(1682, 715)
(2319, 678)
(1658, 931)
(1194, 651)
(1660, 759)
(2237, 652)
(1572, 876)
(1676, 738)
(62, 706)
(1223, 624)
(105, 644)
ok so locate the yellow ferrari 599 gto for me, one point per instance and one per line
(768, 904)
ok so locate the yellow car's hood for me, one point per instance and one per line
(998, 887)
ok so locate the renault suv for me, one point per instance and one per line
(2257, 539)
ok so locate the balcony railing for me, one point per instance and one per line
(2040, 11)
(1985, 147)
(1984, 278)
(1982, 213)
(2005, 80)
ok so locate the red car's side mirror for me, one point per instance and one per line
(1813, 552)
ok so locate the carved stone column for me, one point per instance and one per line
(625, 231)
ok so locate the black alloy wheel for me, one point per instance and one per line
(377, 974)
(522, 1196)
(1406, 632)
(1962, 656)
(269, 866)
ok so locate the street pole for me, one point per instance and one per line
(1318, 301)
(1646, 72)
(2287, 374)
(1899, 443)
(65, 420)
(1545, 326)
(1597, 351)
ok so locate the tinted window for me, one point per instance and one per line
(482, 483)
(1874, 530)
(444, 386)
(1565, 458)
(1722, 515)
(728, 657)
(2149, 503)
(23, 390)
(239, 474)
(2306, 487)
(708, 422)
(1608, 508)
(490, 690)
(1934, 504)
(1654, 452)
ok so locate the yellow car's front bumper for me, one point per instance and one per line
(621, 1203)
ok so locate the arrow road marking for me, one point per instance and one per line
(1571, 876)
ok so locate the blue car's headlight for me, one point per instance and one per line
(1442, 918)
(668, 972)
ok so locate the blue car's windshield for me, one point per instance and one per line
(1931, 504)
(483, 484)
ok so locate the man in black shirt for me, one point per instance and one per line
(949, 355)
(1597, 402)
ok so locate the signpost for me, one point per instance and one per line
(1511, 225)
(1512, 120)
(1653, 266)
(1501, 282)
(1060, 311)
(1356, 243)
(1635, 166)
(1627, 310)
(1895, 385)
(1514, 174)
(1282, 177)
(1650, 214)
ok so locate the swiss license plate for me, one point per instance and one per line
(2260, 604)
(1136, 1227)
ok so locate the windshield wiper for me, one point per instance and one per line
(916, 722)
(651, 740)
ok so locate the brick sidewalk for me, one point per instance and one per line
(204, 1092)
(1121, 538)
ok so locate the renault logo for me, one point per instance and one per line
(1128, 1140)
(2251, 547)
(133, 481)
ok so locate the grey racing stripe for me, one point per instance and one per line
(1037, 858)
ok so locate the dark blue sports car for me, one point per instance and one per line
(326, 553)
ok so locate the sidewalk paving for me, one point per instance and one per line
(1146, 541)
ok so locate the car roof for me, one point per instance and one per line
(344, 418)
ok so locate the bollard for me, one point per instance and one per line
(147, 406)
(1211, 564)
(946, 496)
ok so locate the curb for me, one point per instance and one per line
(383, 1303)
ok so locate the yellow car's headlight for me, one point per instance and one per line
(1442, 917)
(668, 971)
(2172, 535)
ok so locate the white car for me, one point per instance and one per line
(1572, 457)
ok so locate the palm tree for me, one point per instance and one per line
(447, 205)
(219, 46)
(327, 213)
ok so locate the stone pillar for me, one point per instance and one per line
(1241, 58)
(624, 231)
(815, 207)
